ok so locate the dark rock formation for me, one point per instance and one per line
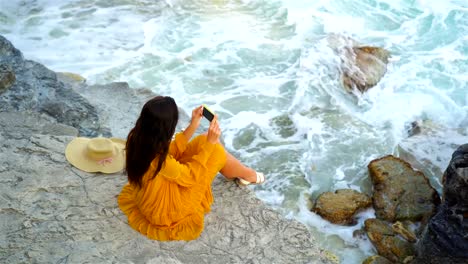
(388, 243)
(445, 239)
(37, 89)
(401, 193)
(339, 207)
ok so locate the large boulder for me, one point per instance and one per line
(445, 239)
(340, 207)
(37, 89)
(388, 242)
(401, 193)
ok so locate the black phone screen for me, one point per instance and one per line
(208, 114)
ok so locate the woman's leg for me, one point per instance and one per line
(232, 168)
(235, 169)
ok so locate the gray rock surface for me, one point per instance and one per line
(52, 212)
(118, 105)
(37, 89)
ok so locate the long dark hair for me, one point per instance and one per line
(151, 137)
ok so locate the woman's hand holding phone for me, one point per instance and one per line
(214, 131)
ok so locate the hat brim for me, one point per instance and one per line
(76, 150)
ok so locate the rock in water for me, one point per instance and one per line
(445, 239)
(401, 193)
(387, 242)
(364, 67)
(339, 207)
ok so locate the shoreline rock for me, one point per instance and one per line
(339, 207)
(401, 193)
(445, 237)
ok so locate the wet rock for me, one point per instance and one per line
(413, 128)
(283, 125)
(405, 232)
(376, 260)
(387, 242)
(37, 89)
(7, 77)
(363, 67)
(340, 207)
(401, 193)
(445, 239)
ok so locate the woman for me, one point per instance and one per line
(169, 182)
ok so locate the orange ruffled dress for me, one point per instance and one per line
(172, 205)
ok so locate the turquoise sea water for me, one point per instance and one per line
(267, 69)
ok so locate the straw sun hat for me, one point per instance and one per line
(99, 154)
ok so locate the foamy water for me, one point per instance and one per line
(267, 69)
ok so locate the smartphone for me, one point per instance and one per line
(207, 113)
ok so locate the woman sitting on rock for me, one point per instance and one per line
(169, 188)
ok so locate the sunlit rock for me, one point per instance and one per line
(363, 67)
(340, 207)
(399, 228)
(72, 77)
(376, 260)
(388, 243)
